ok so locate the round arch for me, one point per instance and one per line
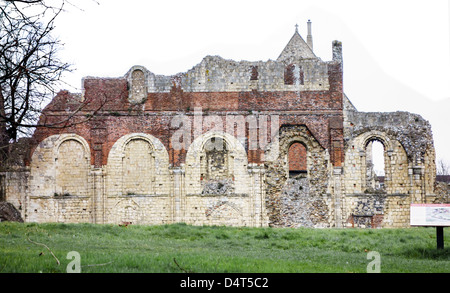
(61, 138)
(159, 164)
(382, 137)
(119, 146)
(297, 158)
(238, 162)
(44, 164)
(235, 147)
(360, 167)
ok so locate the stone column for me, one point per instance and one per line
(363, 171)
(257, 202)
(338, 204)
(98, 196)
(178, 194)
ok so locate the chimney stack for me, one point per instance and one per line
(309, 40)
(337, 52)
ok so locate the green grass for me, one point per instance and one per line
(181, 248)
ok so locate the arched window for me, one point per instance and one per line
(375, 169)
(378, 158)
(297, 159)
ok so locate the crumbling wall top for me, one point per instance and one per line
(411, 130)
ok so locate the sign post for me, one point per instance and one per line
(431, 215)
(440, 237)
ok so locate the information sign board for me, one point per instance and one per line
(430, 215)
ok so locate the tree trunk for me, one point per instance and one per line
(4, 137)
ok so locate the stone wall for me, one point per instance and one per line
(300, 209)
(138, 209)
(293, 150)
(289, 200)
(14, 185)
(409, 161)
(215, 74)
(442, 192)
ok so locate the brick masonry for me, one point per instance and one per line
(138, 149)
(297, 157)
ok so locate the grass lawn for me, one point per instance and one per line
(181, 248)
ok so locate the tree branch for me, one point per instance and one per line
(41, 244)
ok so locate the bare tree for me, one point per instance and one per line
(30, 70)
(442, 167)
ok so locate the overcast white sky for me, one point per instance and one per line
(396, 52)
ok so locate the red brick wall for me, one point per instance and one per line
(320, 111)
(297, 157)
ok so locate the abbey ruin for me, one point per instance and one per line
(274, 143)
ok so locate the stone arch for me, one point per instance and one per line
(360, 177)
(138, 164)
(237, 164)
(382, 137)
(276, 154)
(215, 159)
(127, 211)
(224, 212)
(290, 135)
(61, 138)
(54, 162)
(371, 182)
